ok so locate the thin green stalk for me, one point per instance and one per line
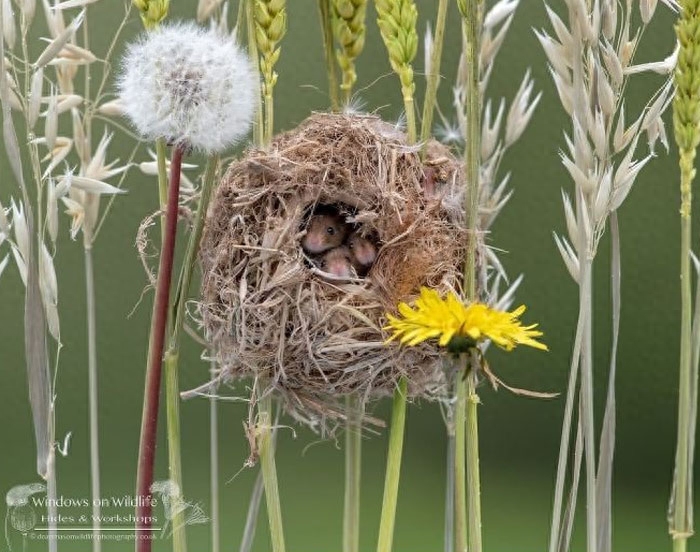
(411, 128)
(162, 155)
(214, 468)
(93, 396)
(434, 77)
(324, 12)
(269, 471)
(682, 523)
(473, 478)
(172, 411)
(460, 475)
(467, 501)
(258, 125)
(393, 468)
(353, 472)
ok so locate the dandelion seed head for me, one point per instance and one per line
(188, 85)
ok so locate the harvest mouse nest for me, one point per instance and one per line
(268, 309)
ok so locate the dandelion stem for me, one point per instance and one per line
(460, 474)
(93, 395)
(434, 76)
(258, 127)
(393, 468)
(353, 472)
(473, 478)
(269, 471)
(149, 420)
(324, 11)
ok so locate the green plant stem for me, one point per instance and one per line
(269, 471)
(460, 474)
(172, 412)
(467, 502)
(393, 468)
(214, 468)
(434, 76)
(681, 528)
(473, 478)
(258, 126)
(410, 109)
(353, 472)
(93, 395)
(324, 12)
(161, 161)
(269, 116)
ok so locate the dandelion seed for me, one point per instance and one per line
(188, 85)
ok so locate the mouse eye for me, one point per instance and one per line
(351, 245)
(330, 230)
(323, 263)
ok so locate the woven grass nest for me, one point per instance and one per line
(267, 308)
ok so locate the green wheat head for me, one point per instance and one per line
(686, 104)
(349, 32)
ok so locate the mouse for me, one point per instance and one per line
(363, 253)
(324, 232)
(338, 262)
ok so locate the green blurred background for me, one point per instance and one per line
(519, 436)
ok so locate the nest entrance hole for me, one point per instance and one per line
(334, 245)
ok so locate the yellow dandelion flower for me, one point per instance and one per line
(459, 326)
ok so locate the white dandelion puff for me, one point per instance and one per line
(188, 85)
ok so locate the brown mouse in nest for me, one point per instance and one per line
(338, 262)
(324, 232)
(363, 253)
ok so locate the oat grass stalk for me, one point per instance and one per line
(397, 25)
(324, 12)
(686, 120)
(266, 447)
(149, 421)
(393, 468)
(353, 473)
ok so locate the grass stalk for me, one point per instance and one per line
(353, 473)
(467, 501)
(172, 412)
(93, 395)
(681, 528)
(393, 468)
(214, 470)
(269, 471)
(433, 81)
(149, 420)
